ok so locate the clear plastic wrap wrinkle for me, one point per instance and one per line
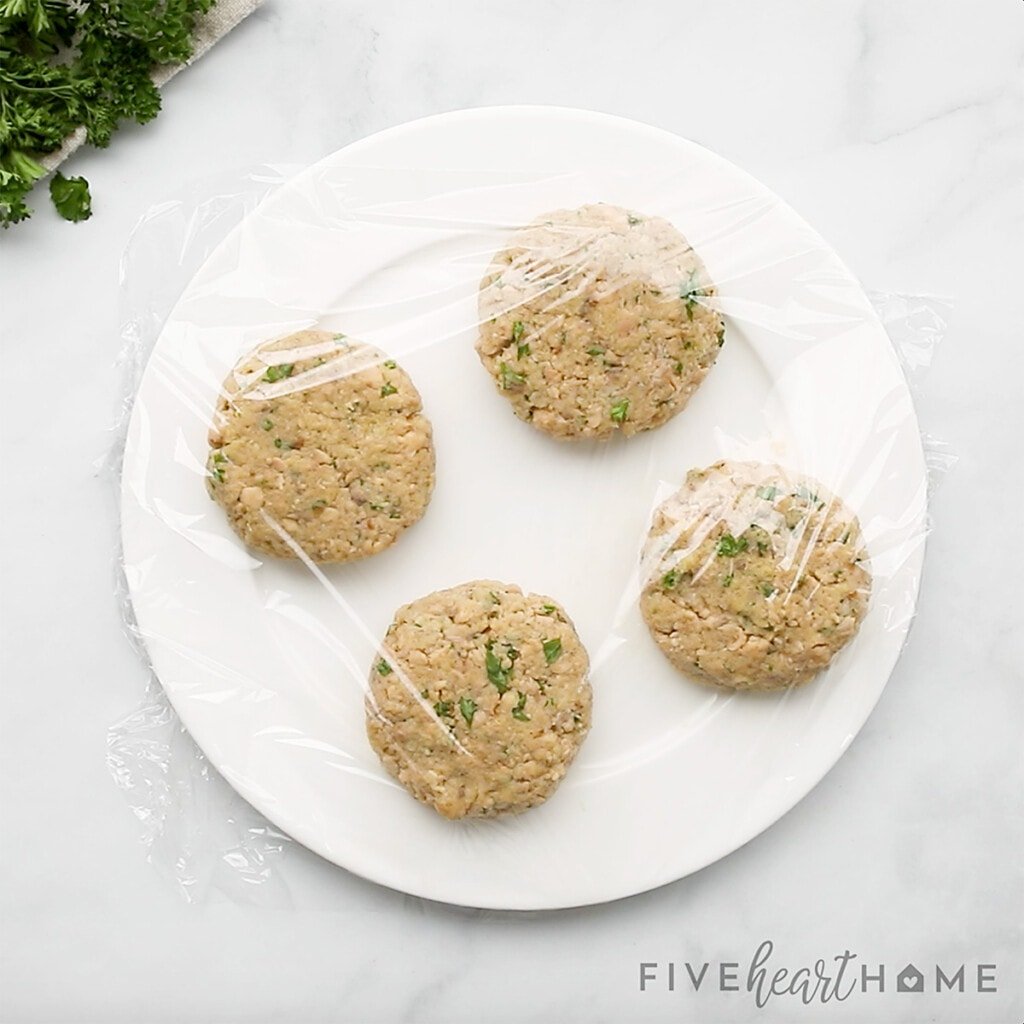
(761, 353)
(195, 829)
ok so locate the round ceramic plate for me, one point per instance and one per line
(266, 661)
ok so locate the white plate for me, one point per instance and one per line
(266, 664)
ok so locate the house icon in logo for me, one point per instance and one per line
(910, 979)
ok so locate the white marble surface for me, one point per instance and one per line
(896, 129)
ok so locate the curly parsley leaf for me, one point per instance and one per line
(71, 197)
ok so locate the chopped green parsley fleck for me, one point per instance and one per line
(730, 546)
(552, 649)
(519, 711)
(497, 673)
(276, 373)
(509, 377)
(690, 292)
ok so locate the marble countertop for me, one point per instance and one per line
(896, 130)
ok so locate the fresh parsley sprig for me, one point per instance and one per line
(86, 64)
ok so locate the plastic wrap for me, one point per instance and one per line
(267, 659)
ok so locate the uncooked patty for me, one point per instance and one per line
(596, 320)
(754, 579)
(479, 699)
(324, 438)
